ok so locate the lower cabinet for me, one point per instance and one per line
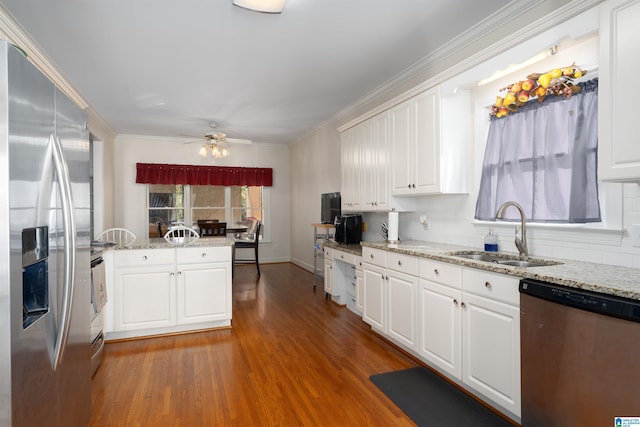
(155, 291)
(374, 296)
(359, 286)
(402, 324)
(440, 327)
(462, 321)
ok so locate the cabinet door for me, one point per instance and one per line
(144, 298)
(328, 276)
(427, 143)
(402, 322)
(374, 291)
(368, 185)
(402, 140)
(204, 292)
(440, 327)
(381, 162)
(359, 291)
(347, 190)
(491, 356)
(618, 126)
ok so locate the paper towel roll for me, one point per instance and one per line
(392, 224)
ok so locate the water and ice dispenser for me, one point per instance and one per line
(35, 274)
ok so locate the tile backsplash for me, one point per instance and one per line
(450, 220)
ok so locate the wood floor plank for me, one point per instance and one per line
(292, 358)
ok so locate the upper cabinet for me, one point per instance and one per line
(618, 148)
(428, 135)
(416, 148)
(366, 158)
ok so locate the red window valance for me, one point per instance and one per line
(155, 173)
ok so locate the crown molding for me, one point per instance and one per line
(510, 12)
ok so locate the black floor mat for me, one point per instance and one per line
(430, 401)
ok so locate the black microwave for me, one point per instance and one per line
(348, 229)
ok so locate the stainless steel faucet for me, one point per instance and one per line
(521, 242)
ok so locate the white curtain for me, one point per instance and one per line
(544, 157)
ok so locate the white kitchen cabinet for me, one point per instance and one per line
(618, 127)
(390, 295)
(328, 271)
(440, 319)
(375, 166)
(374, 296)
(491, 337)
(402, 308)
(203, 284)
(145, 298)
(351, 169)
(429, 136)
(366, 164)
(359, 286)
(165, 290)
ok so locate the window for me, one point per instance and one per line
(544, 158)
(185, 204)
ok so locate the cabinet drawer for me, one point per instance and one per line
(441, 272)
(404, 263)
(344, 257)
(328, 253)
(374, 256)
(203, 254)
(491, 285)
(143, 257)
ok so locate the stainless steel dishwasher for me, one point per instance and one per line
(580, 354)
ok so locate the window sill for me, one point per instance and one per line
(576, 233)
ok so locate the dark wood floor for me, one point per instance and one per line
(292, 358)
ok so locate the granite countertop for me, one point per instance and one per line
(602, 278)
(160, 243)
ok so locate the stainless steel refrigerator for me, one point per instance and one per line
(45, 376)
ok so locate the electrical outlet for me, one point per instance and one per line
(635, 235)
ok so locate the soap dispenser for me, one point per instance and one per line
(491, 241)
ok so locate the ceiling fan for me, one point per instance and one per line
(215, 143)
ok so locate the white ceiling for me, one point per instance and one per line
(168, 67)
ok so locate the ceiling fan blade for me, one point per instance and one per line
(200, 141)
(238, 141)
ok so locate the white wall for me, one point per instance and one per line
(131, 198)
(315, 169)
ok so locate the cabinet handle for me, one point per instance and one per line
(371, 255)
(462, 304)
(172, 274)
(409, 186)
(342, 256)
(455, 302)
(487, 285)
(144, 257)
(413, 186)
(204, 254)
(436, 272)
(179, 273)
(399, 263)
(382, 275)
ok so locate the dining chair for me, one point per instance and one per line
(121, 237)
(248, 241)
(181, 235)
(212, 228)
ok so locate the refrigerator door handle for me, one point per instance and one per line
(64, 183)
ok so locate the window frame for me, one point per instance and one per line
(187, 208)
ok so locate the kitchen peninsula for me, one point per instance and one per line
(156, 287)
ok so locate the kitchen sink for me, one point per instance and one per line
(502, 259)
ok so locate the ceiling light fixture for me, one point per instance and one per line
(515, 67)
(264, 6)
(214, 147)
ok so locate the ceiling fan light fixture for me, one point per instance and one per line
(264, 6)
(203, 150)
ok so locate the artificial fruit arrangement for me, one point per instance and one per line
(558, 81)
